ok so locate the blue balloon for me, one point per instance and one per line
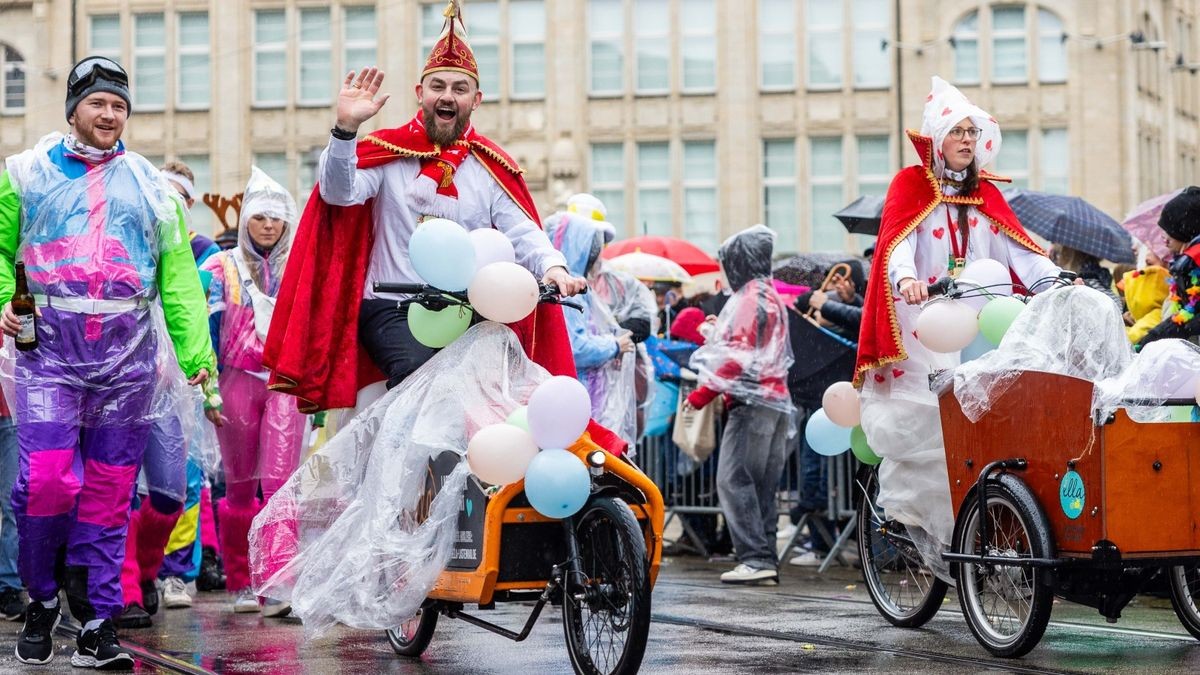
(825, 437)
(978, 347)
(557, 483)
(442, 254)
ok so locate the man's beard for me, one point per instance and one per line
(437, 135)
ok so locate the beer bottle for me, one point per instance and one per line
(22, 305)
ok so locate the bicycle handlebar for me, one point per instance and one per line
(435, 298)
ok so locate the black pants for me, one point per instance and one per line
(384, 333)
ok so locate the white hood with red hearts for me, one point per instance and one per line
(945, 107)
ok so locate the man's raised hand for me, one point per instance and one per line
(356, 101)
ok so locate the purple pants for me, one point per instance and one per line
(82, 402)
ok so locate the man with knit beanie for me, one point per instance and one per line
(1180, 220)
(102, 237)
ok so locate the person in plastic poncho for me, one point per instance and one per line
(938, 216)
(746, 358)
(1180, 220)
(260, 431)
(104, 242)
(603, 349)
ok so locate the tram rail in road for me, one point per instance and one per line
(153, 657)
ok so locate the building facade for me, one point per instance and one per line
(691, 118)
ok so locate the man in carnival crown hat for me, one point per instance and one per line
(331, 333)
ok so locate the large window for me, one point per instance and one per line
(315, 85)
(527, 51)
(608, 182)
(270, 58)
(12, 80)
(698, 45)
(606, 30)
(1055, 155)
(654, 189)
(193, 82)
(149, 62)
(275, 165)
(826, 178)
(104, 38)
(1009, 44)
(358, 39)
(651, 48)
(873, 160)
(779, 192)
(700, 212)
(1013, 160)
(824, 21)
(776, 44)
(870, 35)
(484, 26)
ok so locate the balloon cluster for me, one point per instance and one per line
(557, 482)
(836, 426)
(972, 325)
(482, 263)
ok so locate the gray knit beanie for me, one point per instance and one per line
(93, 74)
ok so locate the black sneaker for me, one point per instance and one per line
(134, 617)
(101, 650)
(211, 578)
(12, 605)
(35, 642)
(150, 596)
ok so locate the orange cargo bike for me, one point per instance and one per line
(600, 564)
(1048, 501)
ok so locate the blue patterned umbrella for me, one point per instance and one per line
(1071, 221)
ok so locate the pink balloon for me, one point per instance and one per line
(503, 292)
(491, 246)
(559, 411)
(500, 453)
(947, 326)
(841, 404)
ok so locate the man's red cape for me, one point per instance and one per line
(911, 197)
(312, 346)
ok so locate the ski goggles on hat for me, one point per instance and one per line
(88, 71)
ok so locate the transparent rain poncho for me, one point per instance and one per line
(1074, 331)
(628, 299)
(1164, 371)
(95, 238)
(341, 539)
(748, 353)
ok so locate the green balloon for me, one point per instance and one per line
(858, 445)
(997, 315)
(436, 329)
(519, 418)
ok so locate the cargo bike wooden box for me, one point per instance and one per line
(1048, 501)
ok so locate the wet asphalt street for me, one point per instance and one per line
(809, 623)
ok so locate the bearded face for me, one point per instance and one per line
(447, 100)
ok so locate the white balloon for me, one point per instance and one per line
(503, 292)
(991, 274)
(559, 411)
(947, 326)
(976, 297)
(491, 246)
(842, 405)
(500, 453)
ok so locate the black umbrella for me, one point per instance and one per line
(1073, 222)
(810, 269)
(862, 215)
(822, 357)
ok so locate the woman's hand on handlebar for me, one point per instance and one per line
(913, 291)
(567, 284)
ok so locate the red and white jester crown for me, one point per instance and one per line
(452, 51)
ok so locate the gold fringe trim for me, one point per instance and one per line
(403, 152)
(513, 168)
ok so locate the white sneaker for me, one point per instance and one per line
(245, 601)
(174, 593)
(745, 574)
(807, 559)
(785, 533)
(272, 607)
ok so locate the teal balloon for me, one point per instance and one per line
(825, 437)
(436, 329)
(557, 483)
(860, 448)
(978, 347)
(996, 317)
(519, 418)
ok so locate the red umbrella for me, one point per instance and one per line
(685, 254)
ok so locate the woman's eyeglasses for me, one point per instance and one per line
(971, 132)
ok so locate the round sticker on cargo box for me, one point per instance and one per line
(1071, 494)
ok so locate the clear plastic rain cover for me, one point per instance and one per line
(1163, 371)
(342, 540)
(1074, 331)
